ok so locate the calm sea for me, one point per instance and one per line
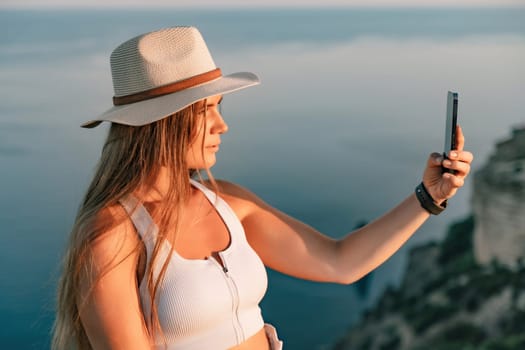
(351, 104)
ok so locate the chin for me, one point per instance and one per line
(209, 166)
(203, 165)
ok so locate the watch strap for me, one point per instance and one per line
(427, 202)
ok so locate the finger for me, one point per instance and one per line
(463, 156)
(461, 168)
(434, 160)
(460, 138)
(455, 181)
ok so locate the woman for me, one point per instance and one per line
(159, 260)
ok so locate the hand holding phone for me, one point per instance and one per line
(451, 125)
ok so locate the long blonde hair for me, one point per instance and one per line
(131, 157)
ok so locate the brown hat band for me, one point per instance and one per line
(168, 89)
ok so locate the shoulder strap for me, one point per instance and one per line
(142, 221)
(225, 211)
(212, 196)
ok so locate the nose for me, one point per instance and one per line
(219, 125)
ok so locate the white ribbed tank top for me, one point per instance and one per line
(202, 305)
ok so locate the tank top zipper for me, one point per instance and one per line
(234, 292)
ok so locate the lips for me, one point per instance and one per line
(213, 146)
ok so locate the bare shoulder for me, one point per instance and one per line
(233, 189)
(116, 239)
(109, 291)
(243, 201)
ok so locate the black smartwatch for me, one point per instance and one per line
(427, 202)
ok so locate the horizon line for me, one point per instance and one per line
(256, 6)
(283, 5)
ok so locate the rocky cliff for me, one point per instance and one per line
(498, 204)
(468, 291)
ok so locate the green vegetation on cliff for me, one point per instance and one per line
(447, 302)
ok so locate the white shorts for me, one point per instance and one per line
(271, 334)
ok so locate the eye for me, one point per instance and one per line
(213, 107)
(210, 107)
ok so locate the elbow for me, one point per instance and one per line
(342, 272)
(350, 277)
(352, 274)
(346, 280)
(344, 275)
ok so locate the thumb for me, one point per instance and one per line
(435, 160)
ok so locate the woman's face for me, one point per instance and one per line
(201, 154)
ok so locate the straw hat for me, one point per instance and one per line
(159, 73)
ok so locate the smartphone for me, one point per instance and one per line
(450, 127)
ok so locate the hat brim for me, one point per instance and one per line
(149, 111)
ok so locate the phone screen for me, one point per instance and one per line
(452, 118)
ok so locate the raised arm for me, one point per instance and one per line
(292, 247)
(110, 310)
(370, 246)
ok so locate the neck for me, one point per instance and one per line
(157, 188)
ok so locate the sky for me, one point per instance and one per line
(256, 3)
